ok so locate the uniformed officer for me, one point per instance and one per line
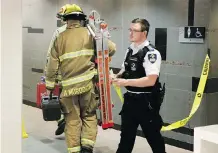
(142, 101)
(72, 52)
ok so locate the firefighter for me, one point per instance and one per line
(72, 52)
(142, 101)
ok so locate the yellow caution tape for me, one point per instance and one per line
(117, 89)
(24, 134)
(197, 100)
(119, 92)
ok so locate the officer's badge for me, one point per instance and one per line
(133, 67)
(152, 58)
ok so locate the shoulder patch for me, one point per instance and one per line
(152, 57)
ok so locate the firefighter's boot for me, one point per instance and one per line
(86, 150)
(61, 126)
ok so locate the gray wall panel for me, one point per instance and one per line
(199, 118)
(176, 105)
(202, 11)
(179, 82)
(213, 35)
(211, 108)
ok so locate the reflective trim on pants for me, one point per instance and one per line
(62, 117)
(49, 84)
(87, 142)
(74, 149)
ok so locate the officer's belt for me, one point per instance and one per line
(132, 93)
(136, 92)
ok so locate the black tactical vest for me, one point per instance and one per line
(134, 68)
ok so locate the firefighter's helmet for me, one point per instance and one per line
(72, 11)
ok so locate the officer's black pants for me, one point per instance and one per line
(139, 109)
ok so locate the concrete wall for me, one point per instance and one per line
(212, 97)
(170, 14)
(37, 16)
(213, 34)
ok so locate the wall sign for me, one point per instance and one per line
(191, 35)
(194, 32)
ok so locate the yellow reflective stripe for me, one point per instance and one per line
(76, 54)
(87, 141)
(49, 84)
(77, 91)
(78, 79)
(62, 117)
(74, 149)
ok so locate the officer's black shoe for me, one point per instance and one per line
(61, 126)
(86, 150)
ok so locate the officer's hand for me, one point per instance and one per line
(120, 82)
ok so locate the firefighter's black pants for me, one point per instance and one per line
(140, 109)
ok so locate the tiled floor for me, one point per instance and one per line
(42, 138)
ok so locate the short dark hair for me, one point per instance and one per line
(145, 26)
